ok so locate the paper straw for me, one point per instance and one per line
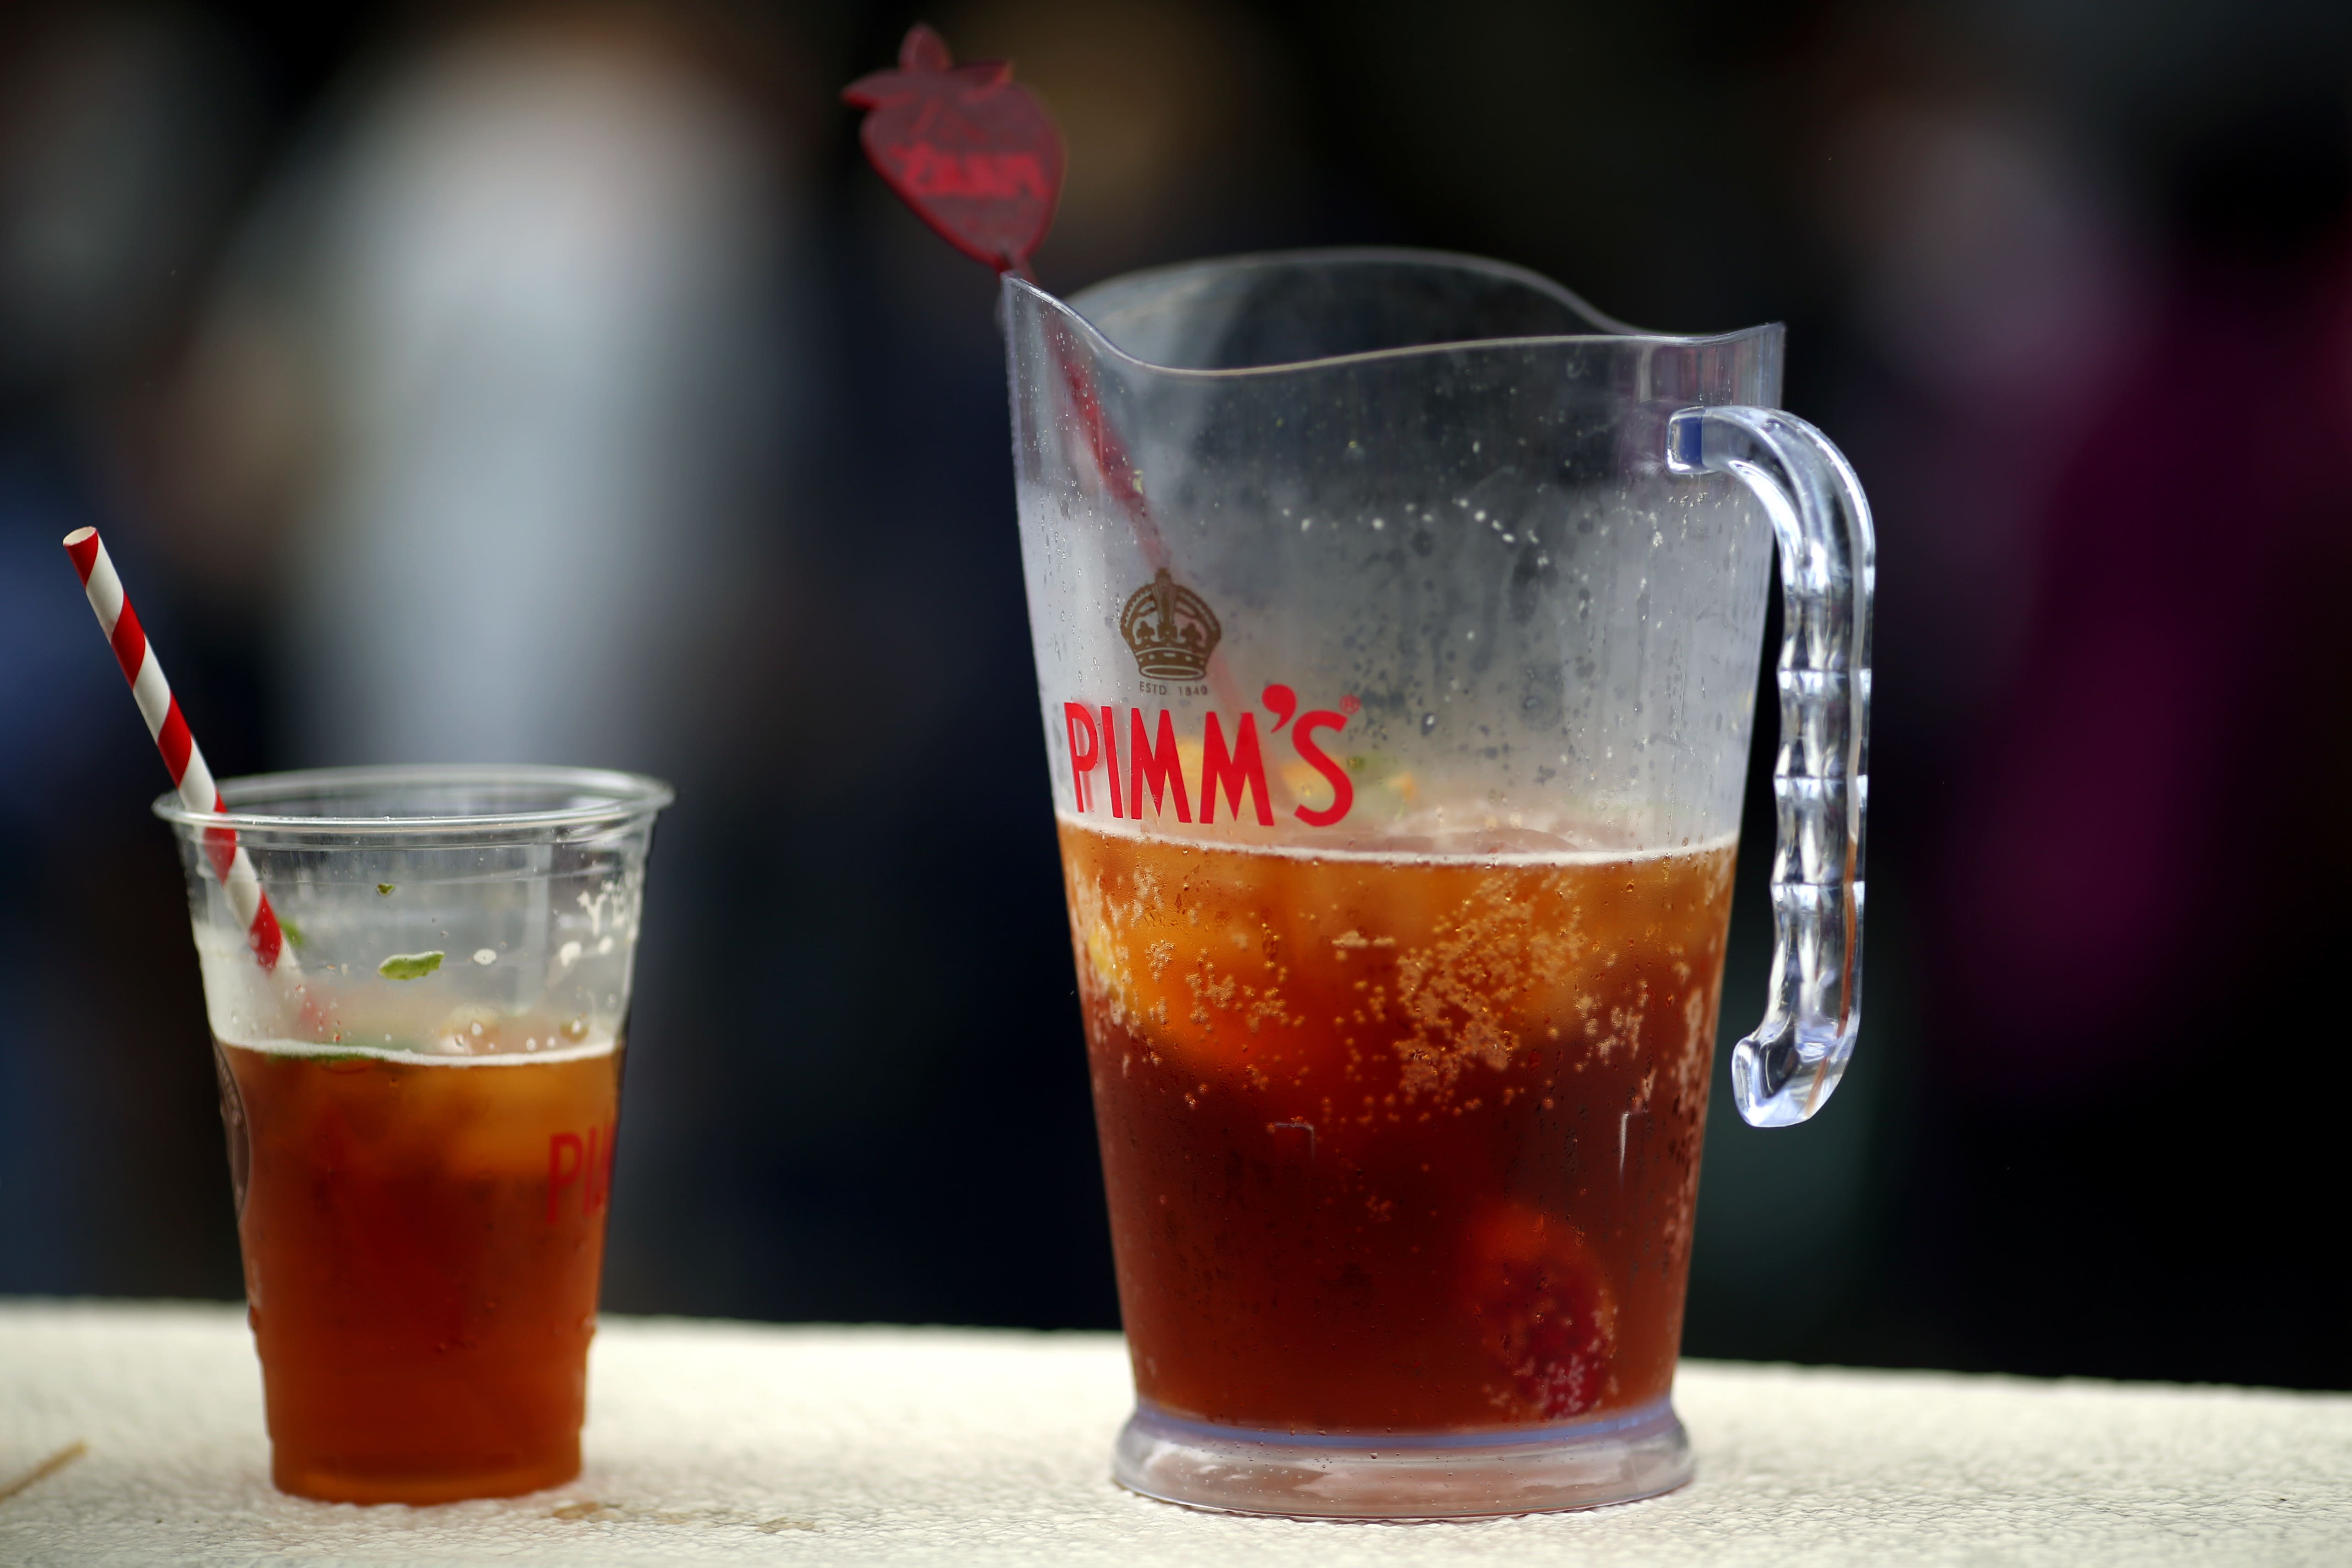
(190, 777)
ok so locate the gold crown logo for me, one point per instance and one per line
(1172, 629)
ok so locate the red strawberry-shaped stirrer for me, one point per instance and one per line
(974, 154)
(978, 158)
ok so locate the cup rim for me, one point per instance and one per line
(616, 798)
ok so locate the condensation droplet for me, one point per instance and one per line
(1428, 723)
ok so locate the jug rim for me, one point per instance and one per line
(1612, 332)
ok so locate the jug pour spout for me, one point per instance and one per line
(1059, 361)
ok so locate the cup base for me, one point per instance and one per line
(326, 1481)
(1237, 1469)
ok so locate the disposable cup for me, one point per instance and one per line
(421, 1112)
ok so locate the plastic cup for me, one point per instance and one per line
(421, 1112)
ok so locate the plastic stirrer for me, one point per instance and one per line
(978, 159)
(974, 154)
(190, 777)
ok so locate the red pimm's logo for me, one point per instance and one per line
(586, 1173)
(1230, 768)
(928, 170)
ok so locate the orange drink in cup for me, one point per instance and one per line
(421, 1120)
(422, 1241)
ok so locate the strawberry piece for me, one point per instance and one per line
(1543, 1311)
(975, 155)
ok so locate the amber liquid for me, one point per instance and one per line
(1397, 1145)
(423, 1243)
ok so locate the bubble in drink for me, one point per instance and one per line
(1393, 1142)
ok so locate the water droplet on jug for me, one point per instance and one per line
(1428, 723)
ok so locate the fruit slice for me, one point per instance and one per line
(1544, 1312)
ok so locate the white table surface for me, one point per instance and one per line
(727, 1442)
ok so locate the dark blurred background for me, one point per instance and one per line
(509, 381)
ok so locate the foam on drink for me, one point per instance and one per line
(559, 1049)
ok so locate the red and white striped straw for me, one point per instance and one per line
(190, 777)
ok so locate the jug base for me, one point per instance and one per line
(1237, 1469)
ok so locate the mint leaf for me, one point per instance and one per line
(385, 889)
(293, 932)
(409, 965)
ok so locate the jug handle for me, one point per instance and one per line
(1785, 1071)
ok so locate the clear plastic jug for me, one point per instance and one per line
(1396, 619)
